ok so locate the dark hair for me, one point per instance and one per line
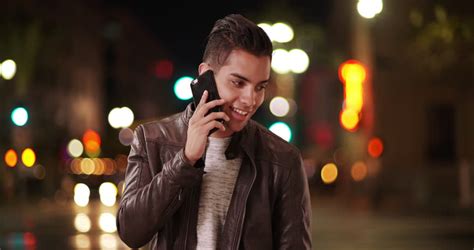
(235, 32)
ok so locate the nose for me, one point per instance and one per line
(247, 97)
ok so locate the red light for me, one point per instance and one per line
(375, 147)
(164, 69)
(91, 135)
(91, 141)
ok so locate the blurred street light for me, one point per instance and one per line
(75, 148)
(299, 61)
(369, 8)
(182, 88)
(8, 69)
(107, 222)
(28, 157)
(19, 116)
(375, 147)
(121, 117)
(11, 158)
(82, 223)
(279, 32)
(281, 129)
(329, 173)
(91, 141)
(282, 32)
(359, 171)
(280, 61)
(108, 193)
(279, 106)
(81, 194)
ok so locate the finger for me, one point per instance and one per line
(214, 124)
(203, 98)
(214, 116)
(204, 108)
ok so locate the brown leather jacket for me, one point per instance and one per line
(269, 209)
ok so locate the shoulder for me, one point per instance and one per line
(274, 146)
(169, 129)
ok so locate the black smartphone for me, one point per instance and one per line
(206, 81)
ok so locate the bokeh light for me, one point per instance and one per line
(182, 88)
(75, 148)
(359, 171)
(369, 8)
(352, 71)
(280, 61)
(121, 117)
(126, 136)
(349, 119)
(28, 157)
(279, 106)
(8, 69)
(92, 142)
(82, 223)
(19, 116)
(81, 194)
(11, 158)
(107, 223)
(108, 193)
(87, 166)
(329, 173)
(164, 69)
(375, 147)
(39, 172)
(299, 61)
(82, 241)
(281, 129)
(282, 32)
(108, 241)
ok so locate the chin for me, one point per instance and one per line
(237, 127)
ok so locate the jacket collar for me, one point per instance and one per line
(241, 141)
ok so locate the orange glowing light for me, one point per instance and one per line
(354, 96)
(375, 147)
(329, 173)
(11, 158)
(91, 135)
(352, 71)
(91, 141)
(349, 119)
(359, 171)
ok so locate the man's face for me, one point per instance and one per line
(241, 82)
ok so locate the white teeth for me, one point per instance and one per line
(239, 111)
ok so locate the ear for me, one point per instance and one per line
(203, 67)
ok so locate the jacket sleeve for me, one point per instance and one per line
(292, 217)
(148, 201)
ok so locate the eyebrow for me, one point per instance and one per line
(246, 79)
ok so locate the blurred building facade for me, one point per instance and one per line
(76, 61)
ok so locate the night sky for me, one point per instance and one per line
(182, 27)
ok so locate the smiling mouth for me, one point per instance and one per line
(239, 111)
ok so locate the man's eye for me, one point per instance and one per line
(261, 87)
(237, 83)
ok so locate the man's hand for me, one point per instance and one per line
(200, 125)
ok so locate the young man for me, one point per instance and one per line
(250, 192)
